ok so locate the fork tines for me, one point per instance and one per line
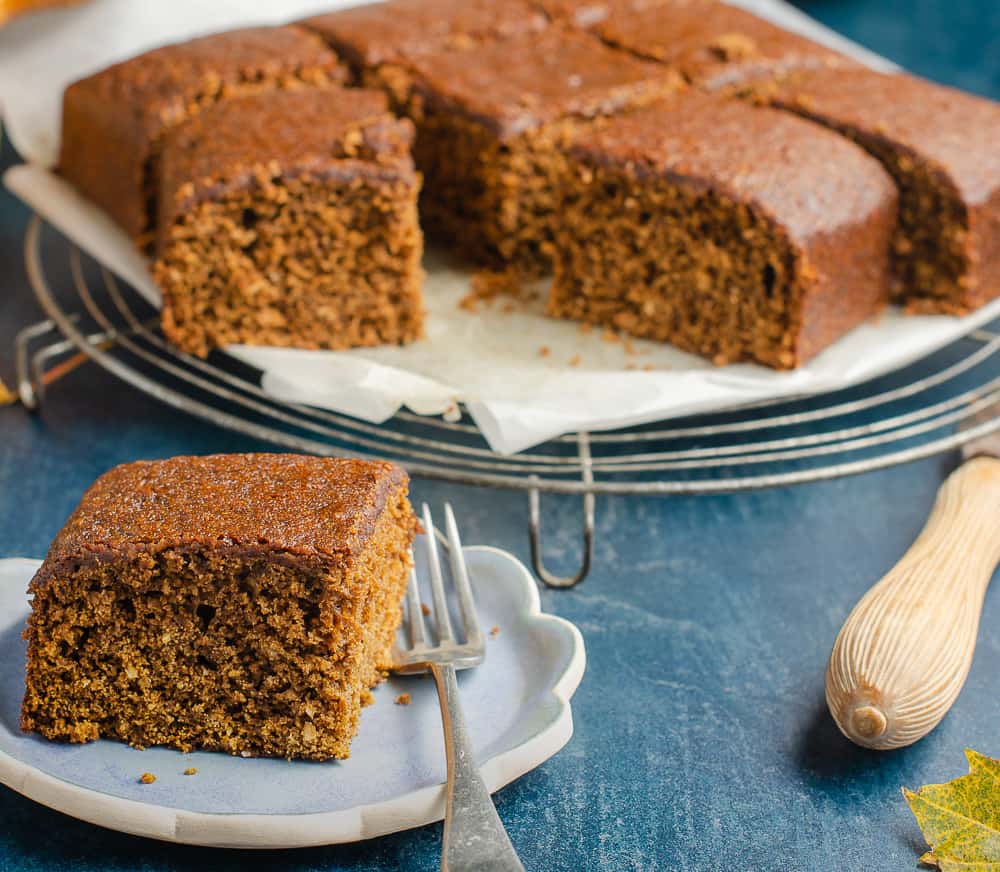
(474, 644)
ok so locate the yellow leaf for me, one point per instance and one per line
(961, 819)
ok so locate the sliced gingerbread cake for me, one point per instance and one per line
(114, 121)
(290, 219)
(237, 603)
(737, 233)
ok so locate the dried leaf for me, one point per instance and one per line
(961, 819)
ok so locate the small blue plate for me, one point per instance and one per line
(516, 704)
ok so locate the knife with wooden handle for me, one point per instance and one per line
(903, 654)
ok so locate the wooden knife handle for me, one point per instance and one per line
(903, 654)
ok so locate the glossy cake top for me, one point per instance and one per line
(713, 44)
(957, 132)
(375, 33)
(809, 179)
(515, 85)
(248, 503)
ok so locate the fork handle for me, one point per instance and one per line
(474, 837)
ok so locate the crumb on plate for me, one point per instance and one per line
(403, 699)
(147, 778)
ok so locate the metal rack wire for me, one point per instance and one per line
(925, 409)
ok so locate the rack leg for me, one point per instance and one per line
(28, 389)
(535, 535)
(535, 525)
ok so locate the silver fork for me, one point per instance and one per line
(474, 837)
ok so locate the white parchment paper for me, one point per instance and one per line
(492, 360)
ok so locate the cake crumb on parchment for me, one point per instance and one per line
(191, 771)
(147, 778)
(403, 699)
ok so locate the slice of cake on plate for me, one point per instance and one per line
(237, 603)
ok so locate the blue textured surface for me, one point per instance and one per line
(701, 737)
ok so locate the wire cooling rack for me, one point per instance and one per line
(925, 409)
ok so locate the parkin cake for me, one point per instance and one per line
(290, 219)
(237, 603)
(735, 232)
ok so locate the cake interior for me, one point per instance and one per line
(323, 260)
(496, 200)
(929, 250)
(231, 649)
(679, 264)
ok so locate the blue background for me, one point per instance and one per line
(702, 740)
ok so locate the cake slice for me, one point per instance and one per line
(734, 232)
(290, 219)
(114, 121)
(237, 603)
(941, 147)
(715, 45)
(491, 125)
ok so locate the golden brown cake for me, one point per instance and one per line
(290, 219)
(237, 603)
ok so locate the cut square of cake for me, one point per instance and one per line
(725, 230)
(290, 219)
(114, 121)
(714, 45)
(237, 603)
(941, 147)
(492, 122)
